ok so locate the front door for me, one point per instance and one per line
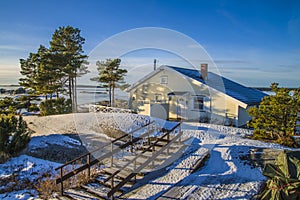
(181, 107)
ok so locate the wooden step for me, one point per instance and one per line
(139, 161)
(150, 150)
(130, 169)
(64, 198)
(143, 148)
(111, 170)
(125, 161)
(159, 158)
(96, 189)
(116, 181)
(101, 180)
(79, 194)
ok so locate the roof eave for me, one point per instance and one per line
(139, 82)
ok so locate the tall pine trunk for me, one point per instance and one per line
(109, 94)
(75, 94)
(113, 97)
(70, 88)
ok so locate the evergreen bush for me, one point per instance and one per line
(275, 118)
(55, 106)
(14, 135)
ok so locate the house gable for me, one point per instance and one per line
(243, 95)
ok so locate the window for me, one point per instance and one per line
(157, 97)
(163, 80)
(198, 102)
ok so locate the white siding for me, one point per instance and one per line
(217, 105)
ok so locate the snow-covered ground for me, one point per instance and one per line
(224, 176)
(175, 173)
(19, 173)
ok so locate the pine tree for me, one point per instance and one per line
(275, 118)
(29, 69)
(40, 76)
(49, 70)
(48, 75)
(111, 76)
(67, 54)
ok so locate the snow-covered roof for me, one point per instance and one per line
(247, 95)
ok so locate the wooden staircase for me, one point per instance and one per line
(123, 166)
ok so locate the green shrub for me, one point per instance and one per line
(55, 106)
(33, 108)
(14, 134)
(8, 105)
(275, 118)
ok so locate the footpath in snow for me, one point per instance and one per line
(224, 176)
(176, 173)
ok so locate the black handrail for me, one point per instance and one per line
(105, 145)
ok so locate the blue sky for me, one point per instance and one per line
(253, 42)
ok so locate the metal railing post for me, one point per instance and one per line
(179, 132)
(153, 150)
(168, 138)
(112, 186)
(148, 131)
(134, 169)
(89, 164)
(61, 183)
(131, 144)
(112, 156)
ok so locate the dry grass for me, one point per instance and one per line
(46, 188)
(14, 183)
(111, 131)
(4, 157)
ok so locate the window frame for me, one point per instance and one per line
(157, 97)
(164, 80)
(198, 106)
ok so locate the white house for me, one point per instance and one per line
(176, 93)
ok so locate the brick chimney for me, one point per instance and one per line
(204, 71)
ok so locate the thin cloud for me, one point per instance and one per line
(242, 68)
(21, 39)
(283, 69)
(14, 48)
(230, 17)
(232, 62)
(34, 28)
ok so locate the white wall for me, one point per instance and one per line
(221, 104)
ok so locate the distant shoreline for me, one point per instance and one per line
(81, 86)
(267, 89)
(9, 85)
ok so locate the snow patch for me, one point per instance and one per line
(38, 142)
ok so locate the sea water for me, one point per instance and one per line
(85, 94)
